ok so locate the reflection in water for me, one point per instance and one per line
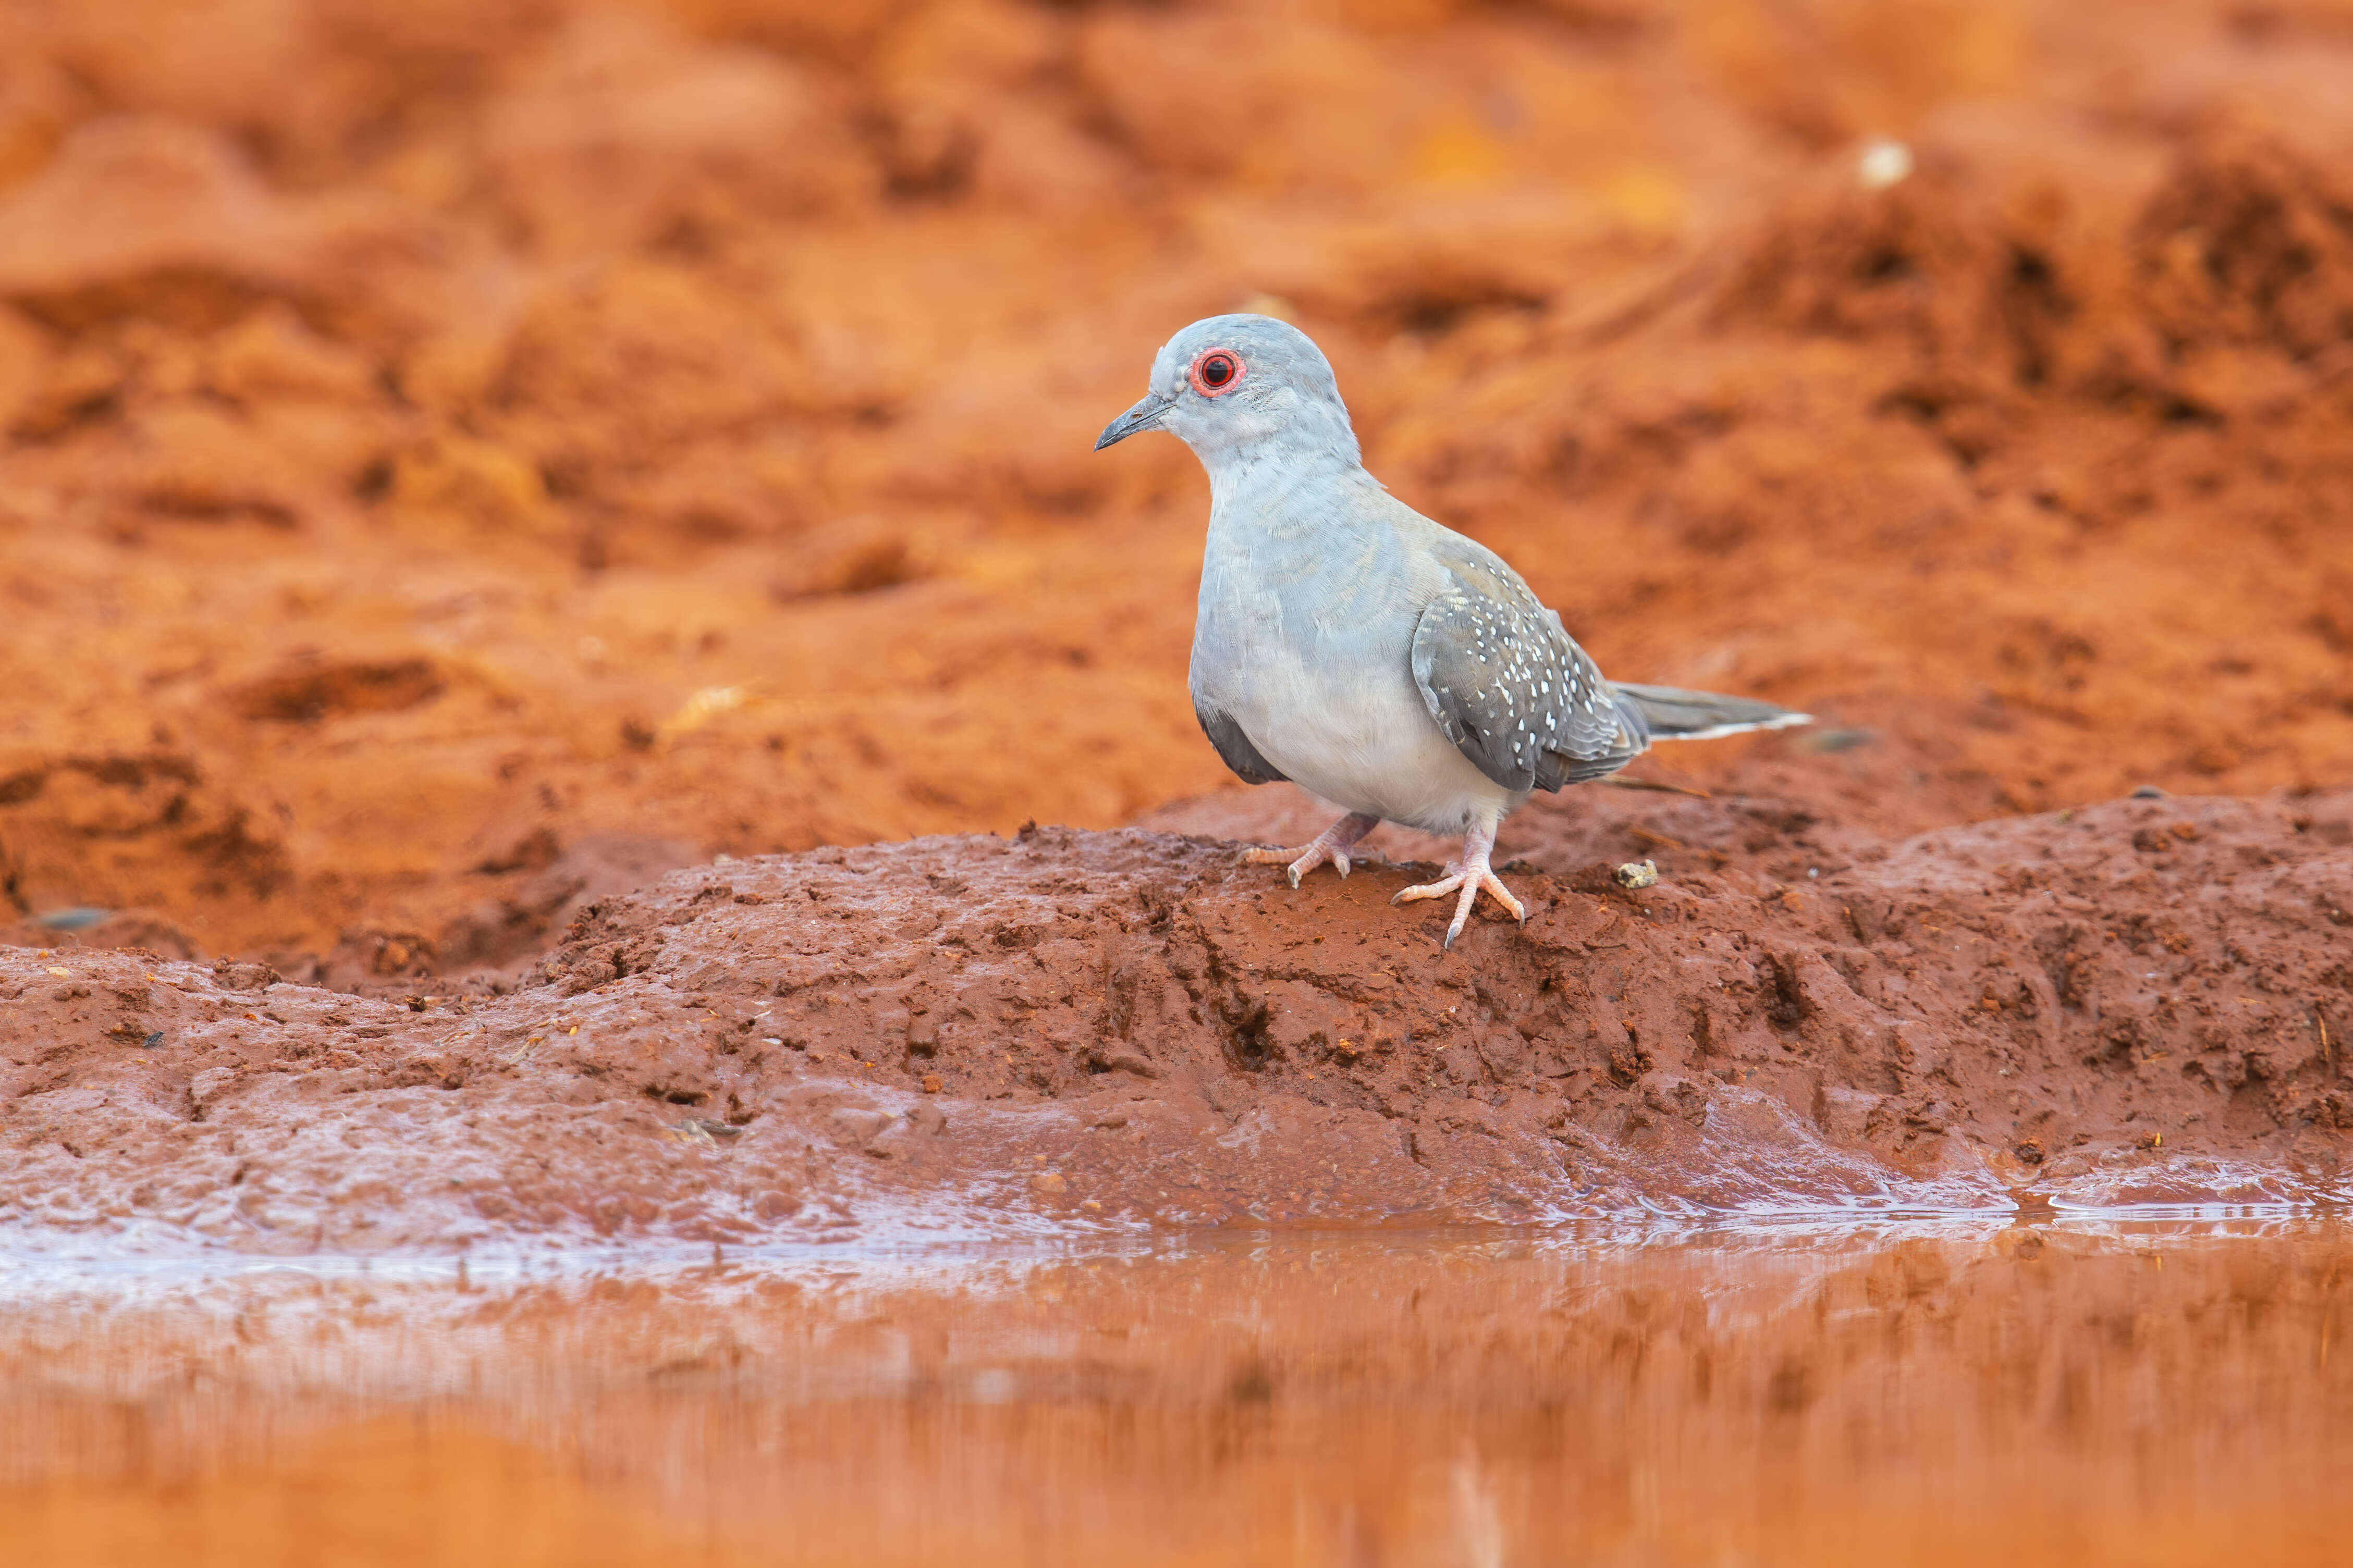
(1931, 1394)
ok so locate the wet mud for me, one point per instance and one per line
(1937, 1394)
(970, 1036)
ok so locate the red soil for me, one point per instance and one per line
(2132, 1003)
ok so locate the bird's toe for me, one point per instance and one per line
(1463, 907)
(1438, 889)
(1503, 895)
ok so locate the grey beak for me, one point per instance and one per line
(1145, 415)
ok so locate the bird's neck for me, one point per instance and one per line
(1281, 487)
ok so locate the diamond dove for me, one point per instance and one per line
(1379, 660)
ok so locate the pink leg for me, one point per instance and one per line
(1470, 875)
(1333, 844)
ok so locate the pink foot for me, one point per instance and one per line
(1333, 844)
(1469, 876)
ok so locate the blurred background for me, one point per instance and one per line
(455, 457)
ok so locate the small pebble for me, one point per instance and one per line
(1882, 162)
(1637, 874)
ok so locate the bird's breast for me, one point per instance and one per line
(1314, 662)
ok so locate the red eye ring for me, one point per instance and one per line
(1216, 371)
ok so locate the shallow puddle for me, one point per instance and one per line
(1930, 1392)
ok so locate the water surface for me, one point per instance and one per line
(1920, 1392)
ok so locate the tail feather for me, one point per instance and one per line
(1674, 714)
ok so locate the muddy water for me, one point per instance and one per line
(1923, 1393)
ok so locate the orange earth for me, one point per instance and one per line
(440, 435)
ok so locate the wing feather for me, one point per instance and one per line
(1247, 763)
(1509, 686)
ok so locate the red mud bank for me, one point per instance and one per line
(2139, 1001)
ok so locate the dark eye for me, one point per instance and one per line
(1216, 371)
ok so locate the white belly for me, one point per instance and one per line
(1303, 639)
(1366, 745)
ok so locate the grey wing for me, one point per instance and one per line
(1512, 689)
(1235, 747)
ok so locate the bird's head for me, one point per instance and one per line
(1228, 385)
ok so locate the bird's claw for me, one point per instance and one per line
(1331, 844)
(1297, 863)
(1467, 882)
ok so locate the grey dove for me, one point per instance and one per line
(1376, 658)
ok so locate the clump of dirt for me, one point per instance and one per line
(2144, 1000)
